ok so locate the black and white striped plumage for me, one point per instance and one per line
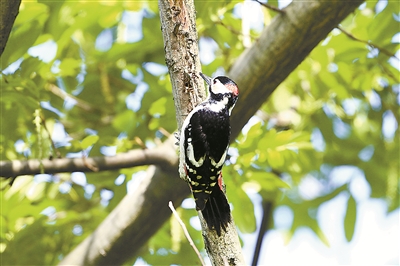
(204, 141)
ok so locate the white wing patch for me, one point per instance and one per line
(190, 155)
(220, 162)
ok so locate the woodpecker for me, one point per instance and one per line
(203, 144)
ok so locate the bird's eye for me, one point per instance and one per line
(215, 81)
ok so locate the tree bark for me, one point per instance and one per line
(283, 45)
(158, 156)
(8, 13)
(178, 24)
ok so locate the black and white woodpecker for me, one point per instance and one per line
(204, 142)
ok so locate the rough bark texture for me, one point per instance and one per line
(8, 13)
(282, 46)
(223, 250)
(178, 24)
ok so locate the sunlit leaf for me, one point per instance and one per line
(20, 185)
(242, 204)
(275, 158)
(158, 107)
(36, 191)
(350, 218)
(124, 121)
(69, 67)
(89, 141)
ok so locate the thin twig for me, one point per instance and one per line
(164, 132)
(369, 43)
(171, 206)
(140, 142)
(389, 73)
(271, 7)
(64, 95)
(88, 164)
(233, 30)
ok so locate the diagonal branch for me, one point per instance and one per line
(65, 96)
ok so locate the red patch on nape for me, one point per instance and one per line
(233, 88)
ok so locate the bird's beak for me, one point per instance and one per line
(206, 78)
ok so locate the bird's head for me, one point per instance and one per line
(221, 86)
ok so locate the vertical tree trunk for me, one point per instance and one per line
(178, 24)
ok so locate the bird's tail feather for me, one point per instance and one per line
(216, 212)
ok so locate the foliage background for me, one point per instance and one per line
(81, 78)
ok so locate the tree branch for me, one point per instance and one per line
(8, 13)
(260, 69)
(163, 156)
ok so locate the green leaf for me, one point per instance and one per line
(275, 158)
(387, 27)
(254, 131)
(69, 67)
(16, 97)
(243, 211)
(350, 218)
(21, 39)
(36, 191)
(20, 185)
(158, 107)
(124, 121)
(247, 159)
(89, 141)
(268, 181)
(154, 123)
